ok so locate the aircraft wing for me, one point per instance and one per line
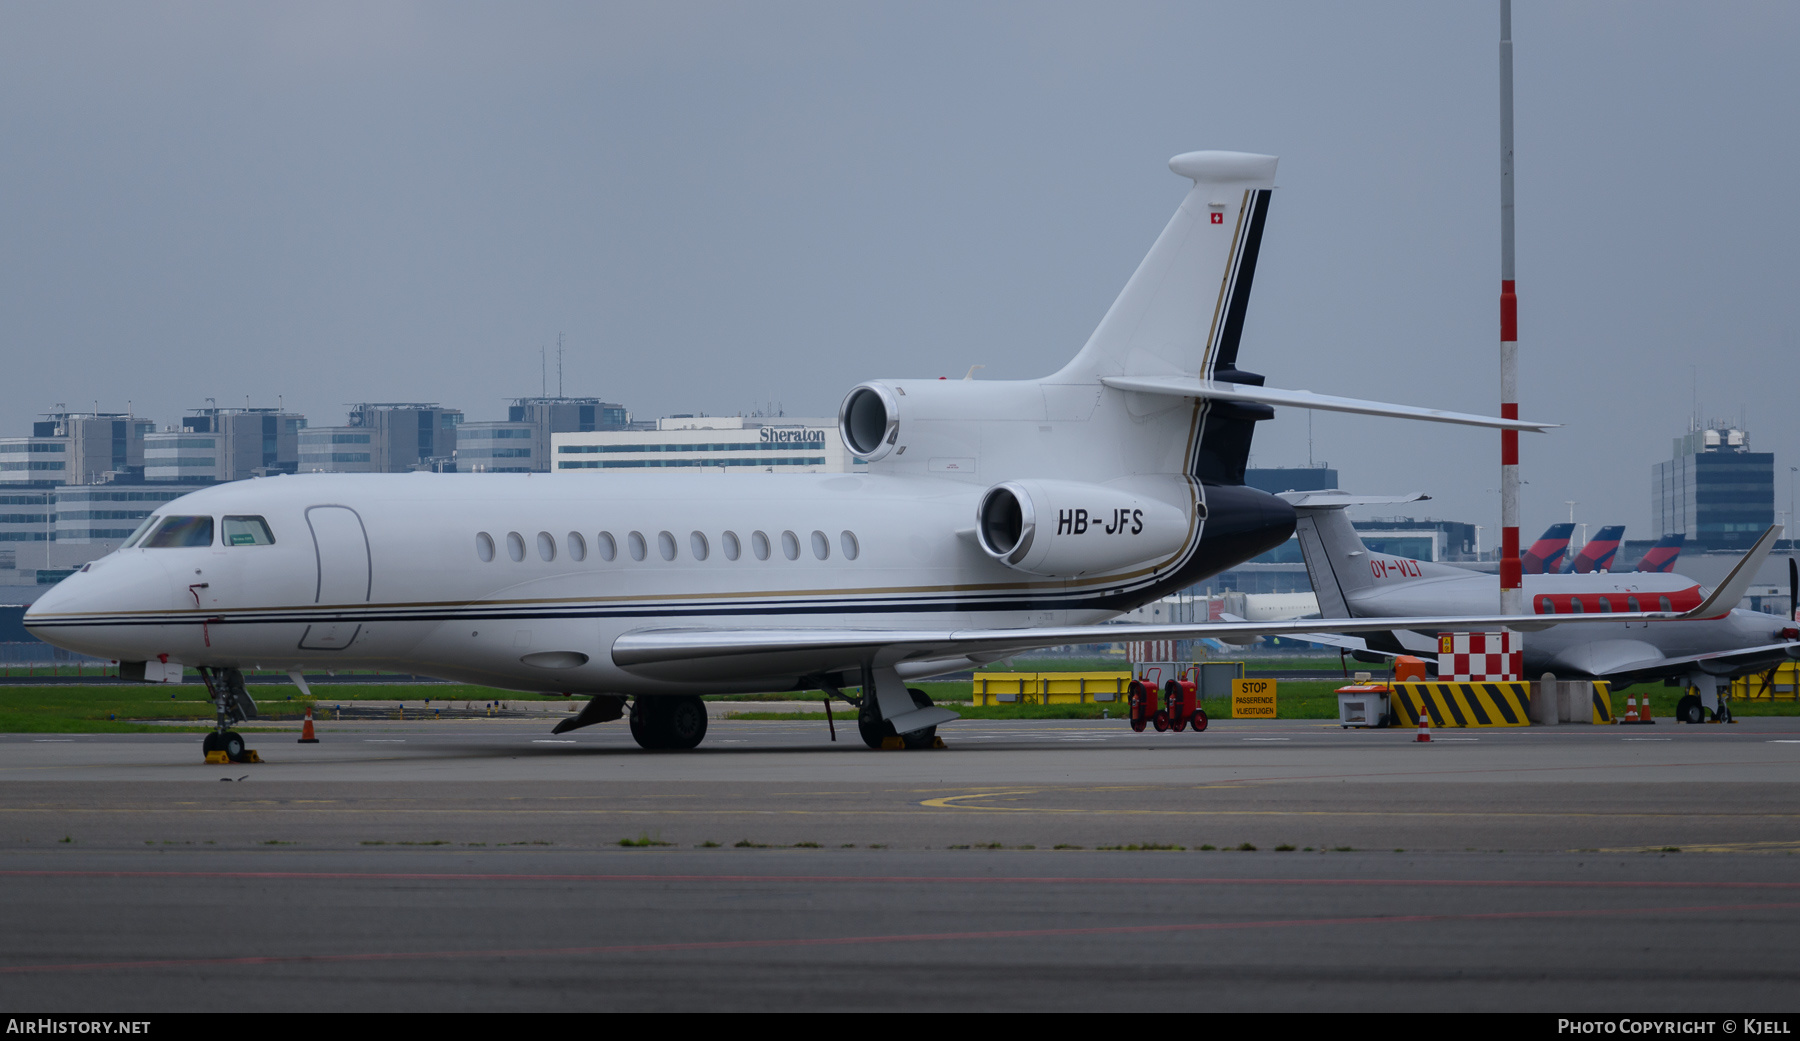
(700, 653)
(1338, 640)
(1733, 661)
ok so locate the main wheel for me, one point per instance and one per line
(232, 744)
(644, 729)
(927, 737)
(870, 725)
(1690, 710)
(684, 722)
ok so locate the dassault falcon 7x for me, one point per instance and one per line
(994, 517)
(1715, 640)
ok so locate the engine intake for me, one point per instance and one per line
(869, 421)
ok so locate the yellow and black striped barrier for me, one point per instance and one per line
(1603, 702)
(1463, 704)
(1482, 704)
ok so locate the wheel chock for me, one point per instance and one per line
(938, 742)
(892, 743)
(217, 759)
(250, 756)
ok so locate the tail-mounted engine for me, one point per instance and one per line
(869, 421)
(1066, 528)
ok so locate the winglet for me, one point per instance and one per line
(1737, 583)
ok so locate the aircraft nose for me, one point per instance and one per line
(73, 613)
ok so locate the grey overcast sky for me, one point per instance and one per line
(723, 205)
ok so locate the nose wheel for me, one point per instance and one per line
(231, 704)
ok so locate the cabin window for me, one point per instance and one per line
(1664, 601)
(577, 546)
(515, 546)
(639, 549)
(847, 543)
(1575, 605)
(181, 533)
(665, 544)
(821, 546)
(484, 546)
(608, 546)
(697, 545)
(1631, 604)
(790, 545)
(1546, 605)
(733, 548)
(149, 522)
(1605, 605)
(248, 531)
(759, 545)
(546, 544)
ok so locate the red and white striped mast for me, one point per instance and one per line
(1512, 596)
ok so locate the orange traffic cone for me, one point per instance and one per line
(306, 732)
(1631, 715)
(1424, 725)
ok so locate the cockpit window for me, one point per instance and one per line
(149, 522)
(180, 532)
(247, 531)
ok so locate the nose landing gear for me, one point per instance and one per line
(231, 703)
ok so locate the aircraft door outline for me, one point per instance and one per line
(339, 539)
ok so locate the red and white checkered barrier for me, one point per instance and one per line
(1480, 657)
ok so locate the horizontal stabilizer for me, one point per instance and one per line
(1336, 500)
(1189, 387)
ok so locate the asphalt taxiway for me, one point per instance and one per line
(486, 864)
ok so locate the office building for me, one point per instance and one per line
(1278, 479)
(1715, 490)
(727, 444)
(521, 444)
(383, 437)
(104, 515)
(225, 444)
(75, 448)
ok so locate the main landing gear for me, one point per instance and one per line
(876, 731)
(670, 722)
(231, 704)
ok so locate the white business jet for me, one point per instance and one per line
(1714, 642)
(995, 517)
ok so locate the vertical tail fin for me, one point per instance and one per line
(1661, 556)
(1600, 552)
(1182, 313)
(1545, 557)
(1330, 545)
(1338, 562)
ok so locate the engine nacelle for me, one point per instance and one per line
(869, 421)
(1061, 529)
